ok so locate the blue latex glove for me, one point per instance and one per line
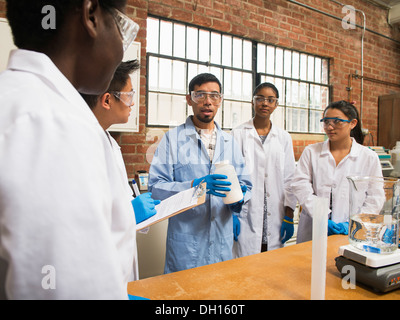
(337, 228)
(236, 227)
(215, 183)
(287, 229)
(131, 297)
(237, 206)
(144, 206)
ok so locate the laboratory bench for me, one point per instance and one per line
(282, 274)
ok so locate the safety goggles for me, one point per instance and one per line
(127, 28)
(125, 97)
(201, 96)
(334, 122)
(259, 100)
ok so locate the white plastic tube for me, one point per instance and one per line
(319, 248)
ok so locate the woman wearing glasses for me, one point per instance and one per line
(323, 168)
(266, 221)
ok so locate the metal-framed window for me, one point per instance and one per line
(176, 52)
(303, 82)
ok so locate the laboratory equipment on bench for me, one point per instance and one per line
(385, 159)
(373, 232)
(395, 153)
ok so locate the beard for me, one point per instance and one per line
(204, 119)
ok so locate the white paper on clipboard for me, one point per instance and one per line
(175, 204)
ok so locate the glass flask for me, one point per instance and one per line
(374, 213)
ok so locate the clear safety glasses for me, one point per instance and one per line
(201, 96)
(259, 100)
(127, 28)
(334, 122)
(125, 97)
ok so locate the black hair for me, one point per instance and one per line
(350, 112)
(203, 78)
(25, 19)
(118, 81)
(266, 85)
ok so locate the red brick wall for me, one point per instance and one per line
(286, 24)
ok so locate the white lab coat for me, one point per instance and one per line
(317, 174)
(271, 166)
(67, 227)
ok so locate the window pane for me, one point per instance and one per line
(165, 81)
(191, 48)
(318, 70)
(153, 73)
(278, 117)
(179, 77)
(310, 71)
(226, 50)
(166, 38)
(237, 53)
(235, 113)
(288, 63)
(152, 35)
(303, 67)
(179, 40)
(215, 48)
(261, 58)
(247, 55)
(279, 62)
(204, 45)
(296, 65)
(315, 126)
(270, 60)
(303, 95)
(247, 87)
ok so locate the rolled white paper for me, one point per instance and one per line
(319, 248)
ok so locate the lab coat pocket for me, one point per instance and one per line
(182, 251)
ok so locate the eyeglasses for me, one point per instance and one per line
(127, 28)
(125, 97)
(258, 100)
(334, 122)
(201, 96)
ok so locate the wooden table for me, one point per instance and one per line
(279, 274)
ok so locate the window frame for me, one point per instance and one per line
(254, 72)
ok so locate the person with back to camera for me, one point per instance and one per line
(266, 221)
(67, 229)
(186, 157)
(323, 167)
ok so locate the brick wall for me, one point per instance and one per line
(286, 24)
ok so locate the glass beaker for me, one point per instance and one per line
(374, 213)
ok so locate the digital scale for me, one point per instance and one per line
(379, 271)
(385, 160)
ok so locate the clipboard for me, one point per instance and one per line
(175, 205)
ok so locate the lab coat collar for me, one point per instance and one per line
(354, 152)
(42, 66)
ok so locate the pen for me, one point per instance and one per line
(135, 188)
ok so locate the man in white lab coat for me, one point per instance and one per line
(66, 225)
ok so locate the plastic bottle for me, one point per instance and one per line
(236, 193)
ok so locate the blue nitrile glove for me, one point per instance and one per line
(131, 297)
(236, 227)
(287, 229)
(237, 206)
(144, 206)
(337, 228)
(214, 184)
